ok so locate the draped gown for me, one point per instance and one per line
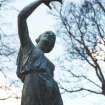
(36, 71)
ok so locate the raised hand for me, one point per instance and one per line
(47, 2)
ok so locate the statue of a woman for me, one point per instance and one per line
(33, 68)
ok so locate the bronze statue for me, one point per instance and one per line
(33, 68)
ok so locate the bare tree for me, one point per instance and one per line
(6, 52)
(83, 27)
(4, 49)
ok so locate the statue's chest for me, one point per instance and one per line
(40, 62)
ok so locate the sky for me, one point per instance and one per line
(39, 22)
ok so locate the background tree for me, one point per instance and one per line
(7, 51)
(83, 29)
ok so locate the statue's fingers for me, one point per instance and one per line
(60, 1)
(48, 4)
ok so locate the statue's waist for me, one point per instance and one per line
(24, 73)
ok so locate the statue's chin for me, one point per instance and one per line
(47, 50)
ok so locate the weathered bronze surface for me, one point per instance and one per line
(33, 68)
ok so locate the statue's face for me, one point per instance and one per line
(46, 42)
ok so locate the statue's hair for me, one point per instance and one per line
(50, 33)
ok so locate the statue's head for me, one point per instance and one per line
(46, 41)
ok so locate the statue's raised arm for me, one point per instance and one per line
(22, 23)
(22, 20)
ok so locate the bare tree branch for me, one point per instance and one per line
(84, 27)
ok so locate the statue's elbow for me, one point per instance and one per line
(21, 15)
